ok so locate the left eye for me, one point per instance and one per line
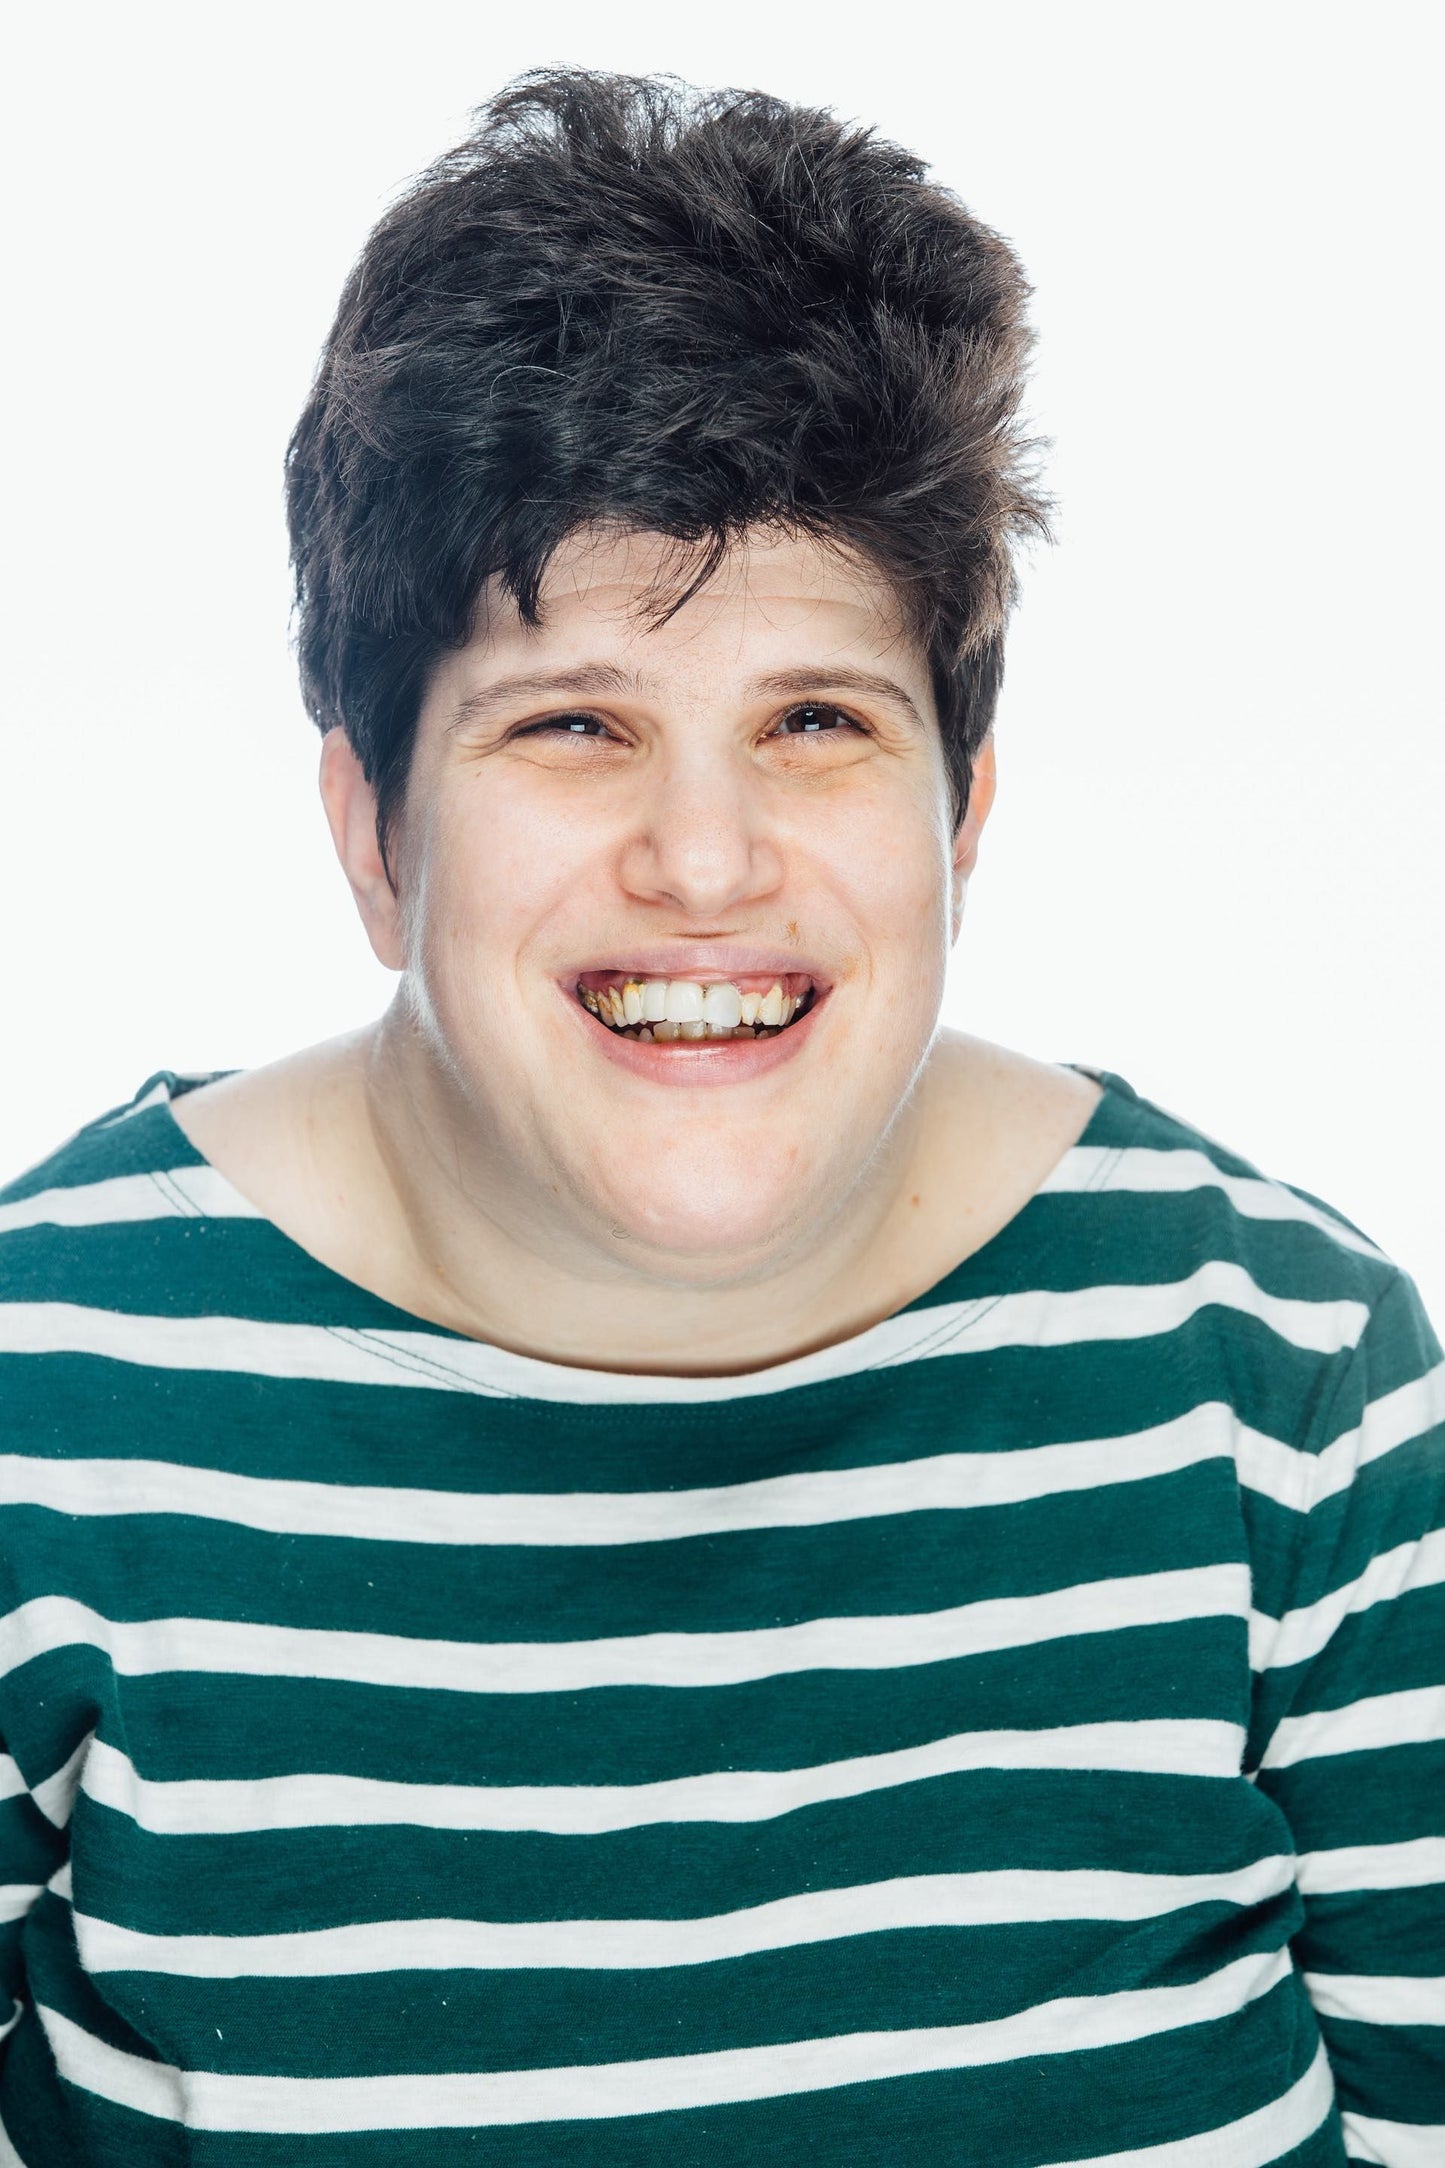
(812, 719)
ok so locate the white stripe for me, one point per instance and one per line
(1140, 1167)
(825, 1915)
(213, 2100)
(194, 1192)
(1371, 1998)
(158, 1095)
(942, 1482)
(1301, 1480)
(55, 1794)
(1411, 1718)
(1413, 1864)
(9, 2158)
(1252, 2142)
(1393, 2145)
(12, 1784)
(1298, 1635)
(201, 1806)
(1035, 1318)
(16, 1898)
(938, 1483)
(140, 1647)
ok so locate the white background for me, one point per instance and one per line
(1215, 863)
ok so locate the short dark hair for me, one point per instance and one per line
(623, 300)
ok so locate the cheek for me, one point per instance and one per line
(889, 854)
(492, 873)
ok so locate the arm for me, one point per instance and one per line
(1349, 1732)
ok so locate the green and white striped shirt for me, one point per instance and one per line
(1015, 1735)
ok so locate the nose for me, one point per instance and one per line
(701, 841)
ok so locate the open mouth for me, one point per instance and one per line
(752, 1006)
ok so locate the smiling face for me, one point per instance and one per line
(674, 903)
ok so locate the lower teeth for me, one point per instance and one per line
(695, 1032)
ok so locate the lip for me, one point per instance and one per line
(697, 1062)
(703, 961)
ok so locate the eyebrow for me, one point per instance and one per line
(591, 677)
(610, 677)
(813, 678)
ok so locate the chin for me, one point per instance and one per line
(706, 1240)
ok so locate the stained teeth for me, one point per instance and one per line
(688, 1009)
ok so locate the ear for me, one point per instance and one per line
(350, 804)
(970, 828)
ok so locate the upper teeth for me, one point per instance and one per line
(712, 1011)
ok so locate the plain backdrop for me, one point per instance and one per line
(1215, 862)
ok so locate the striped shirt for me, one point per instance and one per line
(1012, 1736)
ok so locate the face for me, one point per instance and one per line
(673, 903)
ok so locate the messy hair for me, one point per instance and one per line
(621, 300)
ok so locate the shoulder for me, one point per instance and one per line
(1281, 1285)
(1212, 1196)
(80, 1225)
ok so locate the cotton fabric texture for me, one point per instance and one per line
(1010, 1737)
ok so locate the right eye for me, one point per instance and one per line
(576, 726)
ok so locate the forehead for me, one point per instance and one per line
(774, 597)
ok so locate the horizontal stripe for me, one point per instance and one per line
(1370, 1998)
(212, 2100)
(1035, 1318)
(1253, 2141)
(1410, 1865)
(877, 1643)
(1275, 1644)
(1141, 1167)
(199, 1806)
(16, 1898)
(12, 1784)
(826, 1915)
(940, 1482)
(1408, 1718)
(192, 1192)
(937, 1483)
(1393, 2145)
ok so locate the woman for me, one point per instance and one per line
(650, 1558)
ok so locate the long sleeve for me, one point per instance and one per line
(1349, 1737)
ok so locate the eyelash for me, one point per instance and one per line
(568, 724)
